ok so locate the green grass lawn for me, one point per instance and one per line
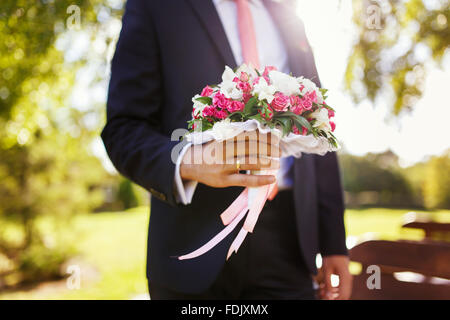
(114, 244)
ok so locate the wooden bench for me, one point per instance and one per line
(436, 231)
(429, 262)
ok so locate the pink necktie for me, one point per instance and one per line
(249, 46)
(247, 34)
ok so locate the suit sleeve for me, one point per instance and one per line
(331, 206)
(329, 189)
(132, 134)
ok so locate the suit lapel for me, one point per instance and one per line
(207, 14)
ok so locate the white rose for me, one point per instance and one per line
(264, 90)
(322, 120)
(284, 83)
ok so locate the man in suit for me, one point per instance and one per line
(167, 52)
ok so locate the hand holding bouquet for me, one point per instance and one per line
(269, 103)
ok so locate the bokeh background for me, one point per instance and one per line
(72, 228)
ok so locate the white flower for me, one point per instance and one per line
(228, 87)
(309, 86)
(264, 90)
(229, 90)
(319, 97)
(322, 120)
(248, 69)
(223, 130)
(228, 74)
(198, 106)
(284, 83)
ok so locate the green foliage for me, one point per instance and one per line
(437, 182)
(46, 163)
(426, 184)
(378, 63)
(127, 194)
(377, 176)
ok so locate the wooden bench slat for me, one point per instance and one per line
(393, 289)
(428, 258)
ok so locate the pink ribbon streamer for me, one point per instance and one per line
(214, 241)
(235, 208)
(232, 216)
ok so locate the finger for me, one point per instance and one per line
(230, 149)
(252, 163)
(345, 286)
(249, 180)
(328, 286)
(256, 135)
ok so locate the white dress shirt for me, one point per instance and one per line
(271, 51)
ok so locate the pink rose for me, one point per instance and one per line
(207, 91)
(296, 104)
(296, 131)
(333, 125)
(304, 131)
(246, 97)
(220, 114)
(267, 70)
(244, 77)
(330, 113)
(312, 95)
(268, 115)
(244, 86)
(220, 101)
(280, 102)
(308, 99)
(208, 111)
(235, 106)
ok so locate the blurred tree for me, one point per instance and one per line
(395, 40)
(437, 182)
(376, 173)
(127, 194)
(46, 163)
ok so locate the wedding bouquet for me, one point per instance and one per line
(292, 108)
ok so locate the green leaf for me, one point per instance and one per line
(302, 121)
(248, 109)
(236, 116)
(286, 124)
(205, 100)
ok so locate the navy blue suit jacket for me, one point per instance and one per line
(167, 52)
